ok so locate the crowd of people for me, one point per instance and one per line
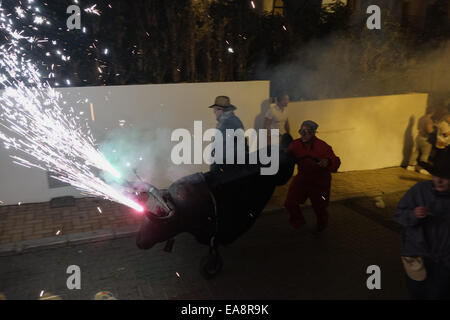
(314, 157)
(423, 212)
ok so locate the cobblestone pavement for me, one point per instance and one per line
(271, 261)
(37, 221)
(363, 184)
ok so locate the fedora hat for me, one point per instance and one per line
(224, 103)
(441, 166)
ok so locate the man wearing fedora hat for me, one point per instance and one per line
(226, 119)
(424, 213)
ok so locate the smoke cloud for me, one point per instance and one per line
(379, 64)
(131, 148)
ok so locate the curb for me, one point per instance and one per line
(15, 248)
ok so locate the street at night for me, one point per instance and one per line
(273, 262)
(224, 158)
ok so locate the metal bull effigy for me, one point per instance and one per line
(215, 207)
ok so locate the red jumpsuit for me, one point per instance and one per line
(312, 181)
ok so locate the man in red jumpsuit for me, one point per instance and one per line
(315, 160)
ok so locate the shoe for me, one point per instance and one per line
(423, 171)
(411, 168)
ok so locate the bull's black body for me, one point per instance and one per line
(215, 207)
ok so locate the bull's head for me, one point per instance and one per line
(160, 221)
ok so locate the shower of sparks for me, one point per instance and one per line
(20, 12)
(5, 126)
(39, 20)
(40, 128)
(253, 4)
(93, 10)
(92, 112)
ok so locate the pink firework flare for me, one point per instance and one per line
(139, 209)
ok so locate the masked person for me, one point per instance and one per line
(316, 161)
(443, 135)
(423, 146)
(226, 119)
(424, 213)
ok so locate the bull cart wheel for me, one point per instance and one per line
(211, 265)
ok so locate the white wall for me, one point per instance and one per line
(366, 133)
(148, 108)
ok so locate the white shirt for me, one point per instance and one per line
(442, 142)
(278, 117)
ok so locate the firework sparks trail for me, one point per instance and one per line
(39, 127)
(93, 10)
